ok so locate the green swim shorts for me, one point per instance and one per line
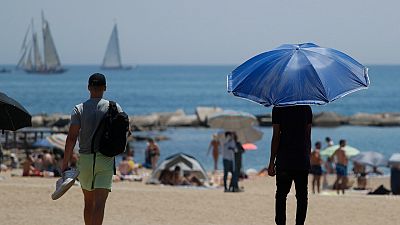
(103, 171)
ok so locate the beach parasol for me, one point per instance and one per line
(59, 140)
(249, 146)
(13, 115)
(350, 151)
(245, 135)
(231, 120)
(297, 74)
(370, 158)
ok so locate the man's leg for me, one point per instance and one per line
(89, 206)
(301, 181)
(225, 164)
(100, 195)
(283, 185)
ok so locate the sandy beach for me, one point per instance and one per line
(27, 201)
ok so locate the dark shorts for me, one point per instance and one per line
(341, 170)
(316, 170)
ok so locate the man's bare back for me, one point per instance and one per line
(341, 157)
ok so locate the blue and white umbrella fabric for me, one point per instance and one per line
(298, 74)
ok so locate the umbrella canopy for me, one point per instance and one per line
(58, 141)
(394, 160)
(245, 135)
(294, 74)
(350, 151)
(249, 146)
(370, 159)
(13, 115)
(231, 120)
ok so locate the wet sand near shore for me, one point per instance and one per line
(27, 201)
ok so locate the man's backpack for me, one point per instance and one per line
(111, 135)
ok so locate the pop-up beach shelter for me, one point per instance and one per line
(187, 163)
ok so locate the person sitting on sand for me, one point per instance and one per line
(14, 163)
(125, 168)
(47, 161)
(28, 168)
(341, 167)
(316, 168)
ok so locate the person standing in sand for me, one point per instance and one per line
(153, 151)
(96, 181)
(214, 145)
(316, 168)
(341, 167)
(227, 159)
(290, 158)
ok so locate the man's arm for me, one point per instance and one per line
(70, 144)
(309, 137)
(274, 148)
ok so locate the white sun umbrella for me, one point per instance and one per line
(370, 158)
(245, 135)
(231, 120)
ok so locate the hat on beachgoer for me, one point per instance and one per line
(97, 79)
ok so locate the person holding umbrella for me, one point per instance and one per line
(290, 157)
(290, 78)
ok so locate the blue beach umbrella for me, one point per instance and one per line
(303, 74)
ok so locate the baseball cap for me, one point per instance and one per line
(97, 79)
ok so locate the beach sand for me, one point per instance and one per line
(27, 201)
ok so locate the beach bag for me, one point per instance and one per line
(111, 135)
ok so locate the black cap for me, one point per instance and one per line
(97, 79)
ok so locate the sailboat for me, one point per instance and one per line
(31, 59)
(112, 58)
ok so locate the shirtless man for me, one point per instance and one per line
(341, 167)
(316, 168)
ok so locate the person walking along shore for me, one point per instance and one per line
(95, 177)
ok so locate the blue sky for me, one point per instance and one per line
(206, 31)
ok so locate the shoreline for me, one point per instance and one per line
(163, 120)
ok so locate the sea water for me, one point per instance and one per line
(147, 89)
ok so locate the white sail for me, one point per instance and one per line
(37, 59)
(28, 63)
(112, 58)
(51, 59)
(24, 50)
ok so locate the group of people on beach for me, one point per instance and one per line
(232, 151)
(336, 163)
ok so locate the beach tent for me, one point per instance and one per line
(186, 162)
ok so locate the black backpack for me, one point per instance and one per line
(111, 135)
